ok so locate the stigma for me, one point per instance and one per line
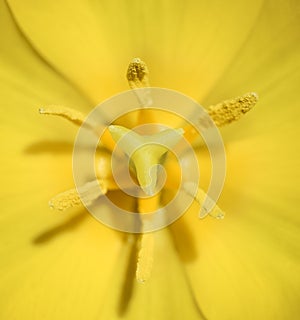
(146, 152)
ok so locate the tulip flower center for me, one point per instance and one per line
(146, 153)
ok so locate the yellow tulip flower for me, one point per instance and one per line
(66, 265)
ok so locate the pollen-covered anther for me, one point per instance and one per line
(145, 258)
(87, 194)
(65, 200)
(70, 114)
(138, 74)
(231, 110)
(146, 244)
(138, 78)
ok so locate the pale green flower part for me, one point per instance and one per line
(146, 152)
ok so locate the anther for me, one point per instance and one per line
(70, 114)
(145, 257)
(138, 74)
(138, 78)
(87, 193)
(231, 110)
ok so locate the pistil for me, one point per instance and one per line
(145, 152)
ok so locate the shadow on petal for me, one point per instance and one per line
(53, 232)
(184, 240)
(46, 146)
(129, 277)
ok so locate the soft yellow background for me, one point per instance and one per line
(68, 266)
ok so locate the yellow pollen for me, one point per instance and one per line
(137, 74)
(231, 110)
(72, 115)
(145, 257)
(225, 112)
(89, 192)
(65, 200)
(138, 78)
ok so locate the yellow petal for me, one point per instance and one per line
(55, 270)
(245, 267)
(29, 142)
(233, 264)
(44, 256)
(253, 252)
(268, 62)
(186, 43)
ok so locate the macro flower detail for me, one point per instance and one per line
(145, 153)
(66, 57)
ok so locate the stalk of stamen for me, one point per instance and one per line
(146, 205)
(138, 78)
(88, 193)
(202, 198)
(78, 119)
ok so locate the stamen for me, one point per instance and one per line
(145, 258)
(203, 199)
(231, 110)
(74, 116)
(224, 113)
(78, 118)
(138, 77)
(71, 198)
(146, 205)
(137, 74)
(146, 152)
